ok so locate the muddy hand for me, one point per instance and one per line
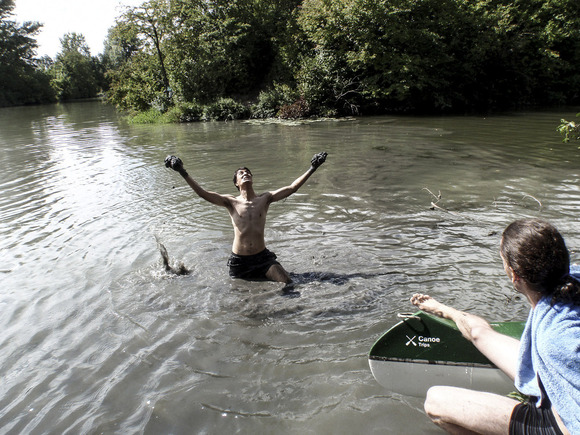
(176, 164)
(317, 160)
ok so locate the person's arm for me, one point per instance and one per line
(286, 191)
(176, 164)
(498, 348)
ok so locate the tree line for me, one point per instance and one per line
(185, 60)
(27, 79)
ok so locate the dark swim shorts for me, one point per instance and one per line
(528, 419)
(251, 267)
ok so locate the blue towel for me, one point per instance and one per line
(550, 351)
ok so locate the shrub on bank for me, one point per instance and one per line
(151, 116)
(299, 109)
(185, 112)
(271, 101)
(225, 109)
(569, 130)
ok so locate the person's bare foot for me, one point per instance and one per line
(428, 304)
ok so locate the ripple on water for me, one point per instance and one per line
(97, 337)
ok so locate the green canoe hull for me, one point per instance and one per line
(425, 350)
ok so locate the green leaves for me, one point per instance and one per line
(74, 72)
(438, 55)
(348, 56)
(569, 130)
(201, 50)
(20, 81)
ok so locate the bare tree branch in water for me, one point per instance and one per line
(434, 205)
(535, 199)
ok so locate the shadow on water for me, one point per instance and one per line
(333, 278)
(310, 295)
(338, 279)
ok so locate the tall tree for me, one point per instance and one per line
(152, 20)
(230, 48)
(20, 81)
(199, 50)
(74, 71)
(135, 49)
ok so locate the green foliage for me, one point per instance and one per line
(135, 52)
(135, 85)
(333, 57)
(441, 54)
(198, 50)
(74, 43)
(121, 43)
(151, 116)
(569, 130)
(152, 21)
(347, 56)
(185, 112)
(27, 80)
(22, 86)
(21, 82)
(271, 101)
(224, 109)
(327, 86)
(75, 74)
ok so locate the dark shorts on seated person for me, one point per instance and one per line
(251, 267)
(528, 419)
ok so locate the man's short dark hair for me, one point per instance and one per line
(236, 175)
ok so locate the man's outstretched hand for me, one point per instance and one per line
(318, 160)
(176, 164)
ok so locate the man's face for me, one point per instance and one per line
(243, 176)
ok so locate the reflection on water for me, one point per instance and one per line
(98, 337)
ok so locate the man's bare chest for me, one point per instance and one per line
(255, 209)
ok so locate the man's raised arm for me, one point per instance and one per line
(284, 192)
(176, 164)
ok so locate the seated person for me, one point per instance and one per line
(545, 364)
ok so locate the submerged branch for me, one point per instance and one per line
(535, 199)
(435, 203)
(435, 206)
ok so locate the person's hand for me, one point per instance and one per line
(176, 164)
(317, 160)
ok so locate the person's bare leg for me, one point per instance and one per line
(278, 274)
(462, 411)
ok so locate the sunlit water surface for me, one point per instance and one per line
(97, 338)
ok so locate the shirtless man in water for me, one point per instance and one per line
(250, 259)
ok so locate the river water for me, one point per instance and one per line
(97, 338)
